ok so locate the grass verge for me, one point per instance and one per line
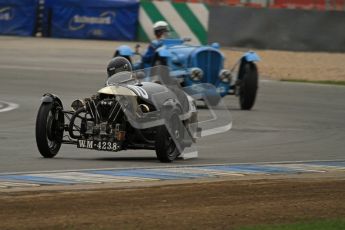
(327, 82)
(316, 225)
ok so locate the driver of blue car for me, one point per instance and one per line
(161, 30)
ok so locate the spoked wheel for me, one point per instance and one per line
(49, 129)
(248, 85)
(166, 149)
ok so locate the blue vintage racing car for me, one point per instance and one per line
(202, 64)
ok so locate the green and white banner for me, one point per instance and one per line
(187, 20)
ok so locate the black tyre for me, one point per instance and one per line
(248, 85)
(166, 149)
(49, 129)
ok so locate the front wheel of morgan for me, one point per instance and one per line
(248, 85)
(166, 149)
(49, 129)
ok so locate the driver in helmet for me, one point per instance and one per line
(160, 29)
(117, 65)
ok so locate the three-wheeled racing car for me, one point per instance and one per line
(125, 114)
(195, 64)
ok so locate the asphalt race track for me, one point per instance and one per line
(290, 121)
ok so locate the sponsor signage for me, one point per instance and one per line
(103, 19)
(6, 14)
(18, 17)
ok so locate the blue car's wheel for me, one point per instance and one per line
(248, 85)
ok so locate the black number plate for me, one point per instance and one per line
(98, 145)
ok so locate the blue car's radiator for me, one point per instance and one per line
(210, 62)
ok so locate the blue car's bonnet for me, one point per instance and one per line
(251, 56)
(125, 50)
(172, 42)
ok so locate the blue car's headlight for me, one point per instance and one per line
(196, 74)
(225, 76)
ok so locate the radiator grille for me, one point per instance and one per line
(209, 61)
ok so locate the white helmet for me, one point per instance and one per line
(161, 26)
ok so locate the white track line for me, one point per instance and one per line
(81, 177)
(10, 106)
(6, 184)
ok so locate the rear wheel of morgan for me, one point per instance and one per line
(49, 129)
(166, 149)
(248, 85)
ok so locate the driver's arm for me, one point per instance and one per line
(150, 52)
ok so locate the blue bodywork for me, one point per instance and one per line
(182, 58)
